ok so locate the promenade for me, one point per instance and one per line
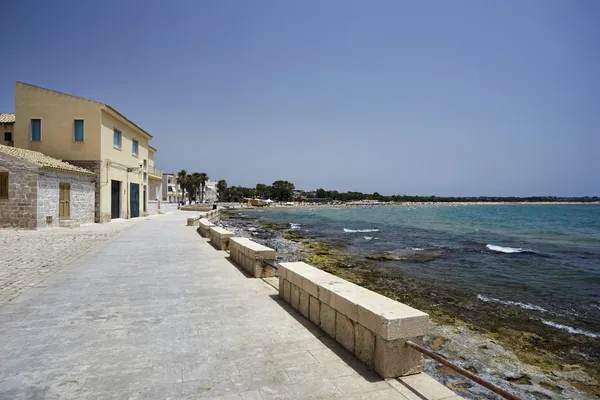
(155, 312)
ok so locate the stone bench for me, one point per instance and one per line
(219, 237)
(191, 221)
(205, 226)
(250, 255)
(371, 326)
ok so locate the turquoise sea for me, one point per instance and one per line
(540, 259)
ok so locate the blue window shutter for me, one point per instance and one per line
(117, 139)
(36, 130)
(78, 130)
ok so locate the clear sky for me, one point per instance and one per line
(400, 97)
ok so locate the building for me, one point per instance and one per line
(91, 135)
(154, 184)
(7, 124)
(171, 192)
(39, 191)
(210, 192)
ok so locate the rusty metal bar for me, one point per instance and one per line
(462, 371)
(271, 263)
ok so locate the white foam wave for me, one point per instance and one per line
(360, 230)
(295, 226)
(572, 330)
(525, 306)
(368, 237)
(508, 250)
(416, 249)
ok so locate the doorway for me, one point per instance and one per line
(134, 200)
(64, 201)
(145, 209)
(115, 199)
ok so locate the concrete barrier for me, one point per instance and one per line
(191, 221)
(250, 255)
(371, 326)
(205, 226)
(220, 237)
(213, 216)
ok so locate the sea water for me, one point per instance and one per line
(543, 259)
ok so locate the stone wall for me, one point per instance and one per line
(94, 166)
(20, 209)
(83, 195)
(250, 255)
(219, 237)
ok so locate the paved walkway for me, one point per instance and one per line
(158, 313)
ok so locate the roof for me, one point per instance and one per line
(42, 160)
(7, 118)
(152, 148)
(106, 106)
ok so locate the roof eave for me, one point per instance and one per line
(127, 121)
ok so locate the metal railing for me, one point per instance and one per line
(154, 171)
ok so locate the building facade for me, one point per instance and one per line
(7, 128)
(39, 191)
(171, 192)
(91, 135)
(154, 184)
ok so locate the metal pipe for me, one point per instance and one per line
(461, 371)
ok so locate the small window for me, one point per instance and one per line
(3, 185)
(145, 164)
(36, 130)
(117, 139)
(78, 130)
(8, 136)
(145, 176)
(134, 148)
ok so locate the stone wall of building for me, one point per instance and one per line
(20, 209)
(94, 166)
(83, 195)
(153, 207)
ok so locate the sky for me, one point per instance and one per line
(445, 98)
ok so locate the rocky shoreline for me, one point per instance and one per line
(489, 339)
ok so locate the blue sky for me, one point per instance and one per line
(436, 97)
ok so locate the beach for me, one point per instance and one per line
(542, 350)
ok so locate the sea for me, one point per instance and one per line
(538, 258)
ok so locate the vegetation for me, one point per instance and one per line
(193, 184)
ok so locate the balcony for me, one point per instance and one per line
(154, 172)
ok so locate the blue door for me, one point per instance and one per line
(134, 200)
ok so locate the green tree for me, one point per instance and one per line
(321, 194)
(203, 178)
(222, 189)
(282, 190)
(261, 190)
(193, 185)
(182, 178)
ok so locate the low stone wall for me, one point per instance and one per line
(196, 207)
(250, 255)
(219, 237)
(370, 325)
(191, 221)
(205, 226)
(213, 216)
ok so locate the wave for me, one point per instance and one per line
(360, 230)
(368, 237)
(570, 329)
(294, 226)
(416, 249)
(507, 250)
(525, 306)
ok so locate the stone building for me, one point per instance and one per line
(38, 191)
(7, 128)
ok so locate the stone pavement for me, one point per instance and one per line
(28, 257)
(157, 313)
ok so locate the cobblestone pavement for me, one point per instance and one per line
(28, 258)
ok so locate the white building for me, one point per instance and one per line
(210, 191)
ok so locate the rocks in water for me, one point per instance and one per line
(437, 342)
(519, 380)
(420, 258)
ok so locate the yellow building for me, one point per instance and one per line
(94, 136)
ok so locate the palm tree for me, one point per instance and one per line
(203, 178)
(195, 181)
(182, 178)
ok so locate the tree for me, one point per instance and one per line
(261, 190)
(321, 194)
(182, 178)
(203, 178)
(282, 190)
(222, 189)
(194, 184)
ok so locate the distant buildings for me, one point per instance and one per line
(171, 192)
(94, 136)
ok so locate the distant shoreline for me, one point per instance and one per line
(419, 204)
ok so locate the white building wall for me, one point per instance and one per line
(82, 197)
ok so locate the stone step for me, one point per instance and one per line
(68, 223)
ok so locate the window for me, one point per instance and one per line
(78, 130)
(145, 164)
(117, 139)
(134, 148)
(3, 185)
(36, 130)
(8, 136)
(145, 176)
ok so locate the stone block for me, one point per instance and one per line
(390, 319)
(287, 289)
(281, 287)
(295, 296)
(310, 287)
(344, 331)
(303, 304)
(314, 312)
(393, 359)
(282, 272)
(364, 344)
(327, 317)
